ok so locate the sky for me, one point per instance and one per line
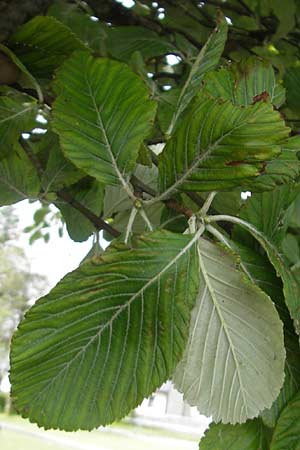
(55, 258)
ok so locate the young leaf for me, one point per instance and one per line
(18, 177)
(102, 114)
(219, 146)
(207, 60)
(17, 115)
(107, 335)
(286, 433)
(233, 366)
(43, 43)
(252, 435)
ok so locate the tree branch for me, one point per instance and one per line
(63, 194)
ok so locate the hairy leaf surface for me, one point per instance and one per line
(102, 114)
(107, 335)
(234, 361)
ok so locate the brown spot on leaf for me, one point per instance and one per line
(263, 97)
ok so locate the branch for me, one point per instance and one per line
(99, 223)
(63, 194)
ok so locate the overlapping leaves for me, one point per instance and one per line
(107, 335)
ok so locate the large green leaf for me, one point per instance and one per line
(287, 430)
(207, 60)
(18, 177)
(233, 366)
(243, 82)
(102, 114)
(17, 115)
(107, 335)
(219, 146)
(122, 42)
(251, 435)
(43, 43)
(89, 193)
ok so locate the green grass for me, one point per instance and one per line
(126, 437)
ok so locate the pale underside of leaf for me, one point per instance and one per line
(108, 335)
(233, 366)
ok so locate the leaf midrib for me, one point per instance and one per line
(223, 323)
(108, 145)
(129, 302)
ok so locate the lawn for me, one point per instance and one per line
(19, 434)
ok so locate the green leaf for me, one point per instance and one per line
(122, 42)
(251, 435)
(92, 33)
(101, 130)
(292, 84)
(283, 170)
(107, 335)
(291, 285)
(233, 366)
(291, 383)
(207, 60)
(219, 146)
(18, 177)
(266, 212)
(290, 248)
(89, 193)
(58, 171)
(241, 83)
(27, 80)
(43, 44)
(287, 430)
(17, 115)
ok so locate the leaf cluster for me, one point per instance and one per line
(150, 124)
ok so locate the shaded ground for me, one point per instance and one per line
(19, 434)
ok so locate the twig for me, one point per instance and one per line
(63, 194)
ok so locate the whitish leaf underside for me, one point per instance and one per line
(234, 361)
